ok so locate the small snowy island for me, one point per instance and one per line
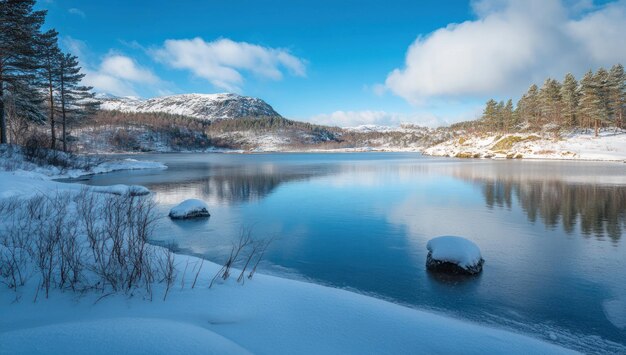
(454, 255)
(192, 208)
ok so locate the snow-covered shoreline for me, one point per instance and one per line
(610, 146)
(13, 159)
(266, 315)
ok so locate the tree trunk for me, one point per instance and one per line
(52, 132)
(63, 109)
(596, 126)
(3, 122)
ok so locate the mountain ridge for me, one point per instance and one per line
(209, 107)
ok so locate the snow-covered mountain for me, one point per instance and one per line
(202, 106)
(402, 128)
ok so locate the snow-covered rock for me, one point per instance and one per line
(191, 208)
(454, 255)
(203, 106)
(126, 164)
(119, 189)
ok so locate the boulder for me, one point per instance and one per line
(192, 208)
(453, 255)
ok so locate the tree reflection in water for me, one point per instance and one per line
(600, 209)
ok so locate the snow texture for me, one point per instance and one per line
(119, 189)
(12, 159)
(203, 106)
(456, 250)
(117, 336)
(126, 164)
(190, 209)
(610, 145)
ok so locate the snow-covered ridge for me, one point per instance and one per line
(403, 128)
(203, 106)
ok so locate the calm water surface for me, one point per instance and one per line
(551, 232)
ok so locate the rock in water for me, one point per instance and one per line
(453, 255)
(192, 208)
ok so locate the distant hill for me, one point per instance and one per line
(207, 107)
(205, 122)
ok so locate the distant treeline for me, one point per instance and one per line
(124, 131)
(597, 100)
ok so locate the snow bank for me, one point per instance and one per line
(133, 190)
(12, 158)
(117, 336)
(126, 164)
(26, 184)
(268, 315)
(191, 208)
(609, 146)
(455, 250)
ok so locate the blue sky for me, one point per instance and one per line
(340, 62)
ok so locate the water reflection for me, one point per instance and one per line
(361, 221)
(227, 186)
(601, 210)
(588, 196)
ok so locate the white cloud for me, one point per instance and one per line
(115, 73)
(222, 61)
(126, 68)
(383, 118)
(119, 75)
(509, 46)
(77, 12)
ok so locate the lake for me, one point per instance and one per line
(550, 232)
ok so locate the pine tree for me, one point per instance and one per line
(617, 93)
(601, 85)
(550, 101)
(570, 97)
(19, 26)
(499, 123)
(509, 115)
(589, 99)
(50, 56)
(528, 105)
(490, 114)
(75, 101)
(22, 107)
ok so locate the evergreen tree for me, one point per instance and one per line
(601, 86)
(499, 124)
(589, 100)
(19, 26)
(490, 114)
(509, 115)
(528, 105)
(75, 101)
(617, 93)
(570, 97)
(50, 56)
(21, 110)
(550, 101)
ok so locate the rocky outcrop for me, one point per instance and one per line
(454, 255)
(192, 208)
